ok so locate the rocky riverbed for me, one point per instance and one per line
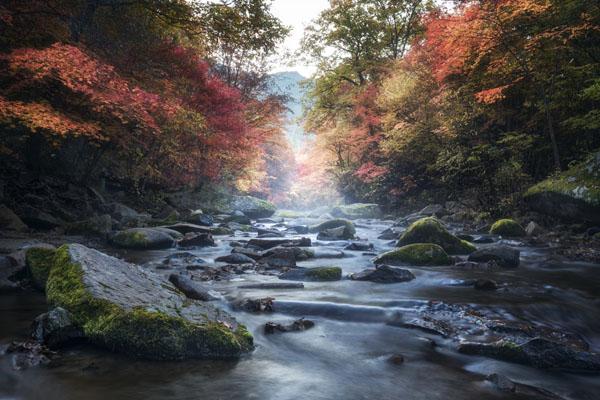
(336, 308)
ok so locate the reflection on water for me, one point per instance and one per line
(345, 355)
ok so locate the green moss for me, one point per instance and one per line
(430, 230)
(39, 262)
(221, 230)
(349, 230)
(131, 239)
(138, 332)
(581, 181)
(415, 254)
(325, 273)
(507, 227)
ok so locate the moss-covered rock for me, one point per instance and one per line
(39, 261)
(430, 230)
(573, 194)
(507, 227)
(324, 274)
(127, 309)
(357, 210)
(419, 254)
(95, 226)
(142, 239)
(349, 230)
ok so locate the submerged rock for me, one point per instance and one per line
(28, 354)
(235, 258)
(191, 289)
(142, 239)
(270, 243)
(537, 352)
(504, 256)
(357, 210)
(197, 240)
(55, 328)
(419, 254)
(313, 274)
(383, 274)
(127, 309)
(430, 230)
(507, 227)
(573, 194)
(298, 325)
(348, 232)
(359, 246)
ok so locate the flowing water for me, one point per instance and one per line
(345, 356)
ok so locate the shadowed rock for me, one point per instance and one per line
(383, 274)
(504, 256)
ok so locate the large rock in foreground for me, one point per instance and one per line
(430, 230)
(573, 194)
(357, 210)
(126, 309)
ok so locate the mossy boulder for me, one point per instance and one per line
(507, 227)
(431, 230)
(317, 274)
(349, 230)
(143, 239)
(357, 210)
(419, 254)
(253, 207)
(127, 309)
(95, 226)
(39, 262)
(573, 194)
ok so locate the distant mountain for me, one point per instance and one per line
(288, 83)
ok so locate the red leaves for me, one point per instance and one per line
(369, 172)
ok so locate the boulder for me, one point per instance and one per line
(187, 228)
(537, 352)
(124, 214)
(383, 274)
(435, 210)
(197, 240)
(191, 289)
(235, 258)
(356, 211)
(533, 229)
(280, 257)
(485, 284)
(127, 309)
(419, 254)
(94, 226)
(573, 195)
(55, 328)
(507, 227)
(168, 215)
(504, 256)
(39, 219)
(298, 325)
(268, 243)
(338, 233)
(39, 261)
(430, 230)
(359, 246)
(9, 220)
(348, 232)
(199, 218)
(142, 239)
(253, 207)
(317, 274)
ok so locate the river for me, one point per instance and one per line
(345, 356)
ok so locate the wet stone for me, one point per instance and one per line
(298, 325)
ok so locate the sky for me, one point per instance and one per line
(296, 14)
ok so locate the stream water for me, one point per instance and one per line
(345, 356)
